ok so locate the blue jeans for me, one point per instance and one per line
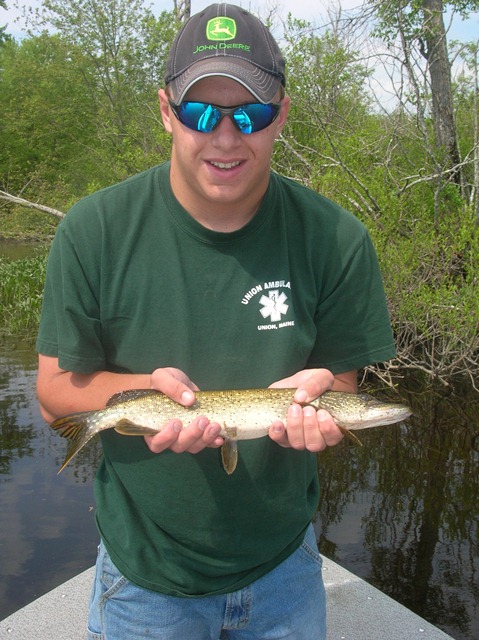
(289, 602)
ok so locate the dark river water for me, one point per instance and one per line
(400, 512)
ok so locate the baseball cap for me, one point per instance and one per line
(225, 40)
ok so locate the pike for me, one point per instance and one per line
(244, 414)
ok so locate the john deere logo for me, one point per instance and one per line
(221, 29)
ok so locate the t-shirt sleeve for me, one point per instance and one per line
(70, 323)
(352, 319)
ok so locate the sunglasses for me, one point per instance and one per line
(204, 117)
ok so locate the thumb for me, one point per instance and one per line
(175, 384)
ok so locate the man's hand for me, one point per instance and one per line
(305, 427)
(196, 436)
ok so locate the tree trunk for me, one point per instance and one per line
(182, 10)
(441, 86)
(476, 137)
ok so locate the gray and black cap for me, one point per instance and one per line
(225, 40)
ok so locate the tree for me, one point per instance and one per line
(420, 24)
(107, 32)
(79, 108)
(436, 54)
(329, 109)
(125, 48)
(182, 9)
(45, 115)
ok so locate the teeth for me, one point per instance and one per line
(225, 165)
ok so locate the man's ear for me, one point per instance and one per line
(165, 110)
(281, 119)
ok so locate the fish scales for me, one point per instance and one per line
(249, 411)
(243, 414)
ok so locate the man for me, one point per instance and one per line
(209, 272)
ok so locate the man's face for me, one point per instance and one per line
(220, 177)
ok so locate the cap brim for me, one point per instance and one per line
(261, 84)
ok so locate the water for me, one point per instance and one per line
(11, 250)
(401, 512)
(47, 529)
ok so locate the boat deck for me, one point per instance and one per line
(355, 609)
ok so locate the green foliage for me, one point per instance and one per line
(18, 223)
(431, 279)
(329, 106)
(21, 288)
(81, 105)
(46, 115)
(380, 167)
(408, 16)
(124, 48)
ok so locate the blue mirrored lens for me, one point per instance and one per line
(255, 117)
(243, 120)
(204, 117)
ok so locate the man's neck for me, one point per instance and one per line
(217, 215)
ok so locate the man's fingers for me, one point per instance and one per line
(165, 438)
(307, 429)
(313, 437)
(294, 426)
(195, 437)
(330, 431)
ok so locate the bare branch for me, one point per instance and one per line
(30, 205)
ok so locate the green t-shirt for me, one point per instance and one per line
(134, 283)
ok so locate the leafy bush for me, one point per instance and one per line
(431, 279)
(21, 289)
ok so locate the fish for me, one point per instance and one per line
(244, 414)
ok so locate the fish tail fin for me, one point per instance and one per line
(75, 428)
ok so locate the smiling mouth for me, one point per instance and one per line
(225, 165)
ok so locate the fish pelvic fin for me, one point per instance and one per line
(229, 450)
(350, 435)
(128, 428)
(229, 455)
(75, 428)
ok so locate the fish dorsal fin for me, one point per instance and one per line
(131, 394)
(129, 428)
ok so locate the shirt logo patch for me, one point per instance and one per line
(271, 301)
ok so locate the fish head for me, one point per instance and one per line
(361, 411)
(374, 413)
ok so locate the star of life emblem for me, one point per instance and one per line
(274, 305)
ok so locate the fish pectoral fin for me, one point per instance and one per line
(128, 428)
(350, 435)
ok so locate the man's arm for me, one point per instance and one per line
(62, 392)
